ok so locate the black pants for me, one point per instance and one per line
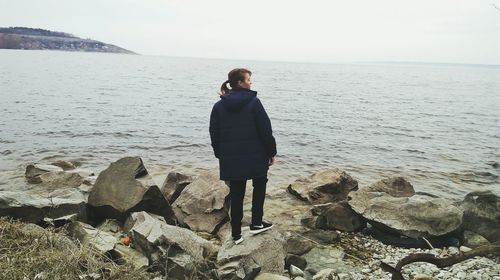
(237, 193)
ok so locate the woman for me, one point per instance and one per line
(242, 140)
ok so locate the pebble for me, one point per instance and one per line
(478, 268)
(465, 249)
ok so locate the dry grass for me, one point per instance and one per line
(40, 255)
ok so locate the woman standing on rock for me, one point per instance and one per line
(242, 140)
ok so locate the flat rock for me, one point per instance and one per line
(33, 172)
(415, 216)
(264, 252)
(126, 187)
(326, 186)
(34, 207)
(203, 204)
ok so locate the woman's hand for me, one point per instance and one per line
(272, 161)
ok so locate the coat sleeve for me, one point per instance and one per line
(264, 129)
(214, 131)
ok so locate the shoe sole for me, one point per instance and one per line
(238, 241)
(257, 231)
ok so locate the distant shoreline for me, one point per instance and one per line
(22, 38)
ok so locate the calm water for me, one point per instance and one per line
(436, 124)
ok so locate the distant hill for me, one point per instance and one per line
(40, 39)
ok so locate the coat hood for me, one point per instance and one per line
(237, 98)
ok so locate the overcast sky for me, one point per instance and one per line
(456, 31)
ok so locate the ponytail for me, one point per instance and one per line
(224, 89)
(234, 77)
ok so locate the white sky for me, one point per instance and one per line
(456, 31)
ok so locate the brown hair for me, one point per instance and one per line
(234, 76)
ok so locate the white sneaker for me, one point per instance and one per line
(238, 240)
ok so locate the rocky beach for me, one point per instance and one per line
(327, 226)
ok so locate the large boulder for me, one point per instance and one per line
(203, 204)
(154, 231)
(174, 184)
(482, 214)
(334, 216)
(126, 187)
(330, 185)
(174, 251)
(413, 216)
(264, 252)
(35, 207)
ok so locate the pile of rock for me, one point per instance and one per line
(181, 229)
(124, 215)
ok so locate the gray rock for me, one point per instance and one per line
(60, 221)
(298, 245)
(334, 216)
(65, 165)
(473, 240)
(88, 235)
(124, 254)
(126, 187)
(85, 173)
(296, 261)
(180, 266)
(34, 207)
(174, 184)
(322, 236)
(394, 186)
(59, 241)
(464, 249)
(295, 271)
(416, 216)
(149, 232)
(263, 252)
(61, 179)
(203, 204)
(323, 258)
(326, 274)
(482, 214)
(326, 186)
(111, 226)
(33, 172)
(270, 276)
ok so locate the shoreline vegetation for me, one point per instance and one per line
(72, 223)
(24, 38)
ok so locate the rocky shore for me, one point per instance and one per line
(179, 229)
(23, 38)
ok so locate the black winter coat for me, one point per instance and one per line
(241, 135)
